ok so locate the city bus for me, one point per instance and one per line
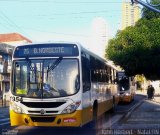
(126, 87)
(60, 84)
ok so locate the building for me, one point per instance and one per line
(7, 44)
(14, 39)
(99, 36)
(130, 14)
(5, 67)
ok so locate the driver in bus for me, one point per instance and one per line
(46, 87)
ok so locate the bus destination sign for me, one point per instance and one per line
(46, 50)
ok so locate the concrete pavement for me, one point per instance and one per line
(144, 92)
(144, 115)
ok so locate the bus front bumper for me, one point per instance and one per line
(125, 98)
(73, 119)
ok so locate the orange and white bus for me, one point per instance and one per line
(126, 86)
(59, 84)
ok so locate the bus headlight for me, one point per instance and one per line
(16, 108)
(71, 108)
(127, 94)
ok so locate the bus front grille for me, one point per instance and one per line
(43, 104)
(38, 112)
(43, 119)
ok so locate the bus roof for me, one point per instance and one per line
(80, 46)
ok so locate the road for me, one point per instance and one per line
(4, 117)
(104, 122)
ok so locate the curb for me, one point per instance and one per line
(155, 101)
(130, 111)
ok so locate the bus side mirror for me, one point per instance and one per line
(77, 83)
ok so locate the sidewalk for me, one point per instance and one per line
(146, 115)
(156, 99)
(144, 92)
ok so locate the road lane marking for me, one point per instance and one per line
(25, 127)
(5, 119)
(5, 123)
(112, 121)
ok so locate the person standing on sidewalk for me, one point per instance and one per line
(152, 91)
(148, 92)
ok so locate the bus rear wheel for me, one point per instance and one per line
(95, 117)
(113, 106)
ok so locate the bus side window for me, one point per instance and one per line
(86, 72)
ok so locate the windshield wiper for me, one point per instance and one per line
(55, 64)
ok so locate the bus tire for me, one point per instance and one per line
(113, 106)
(95, 111)
(133, 98)
(95, 117)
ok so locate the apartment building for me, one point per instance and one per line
(5, 67)
(130, 14)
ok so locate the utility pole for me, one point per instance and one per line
(147, 5)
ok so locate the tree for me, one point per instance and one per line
(137, 49)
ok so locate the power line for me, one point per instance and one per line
(58, 33)
(5, 27)
(11, 23)
(89, 12)
(9, 26)
(58, 2)
(76, 13)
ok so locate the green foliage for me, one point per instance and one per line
(137, 49)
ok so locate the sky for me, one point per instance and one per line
(59, 20)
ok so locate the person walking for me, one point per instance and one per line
(149, 92)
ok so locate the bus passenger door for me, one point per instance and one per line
(86, 96)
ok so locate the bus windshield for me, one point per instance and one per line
(124, 84)
(46, 78)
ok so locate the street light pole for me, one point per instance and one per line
(147, 5)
